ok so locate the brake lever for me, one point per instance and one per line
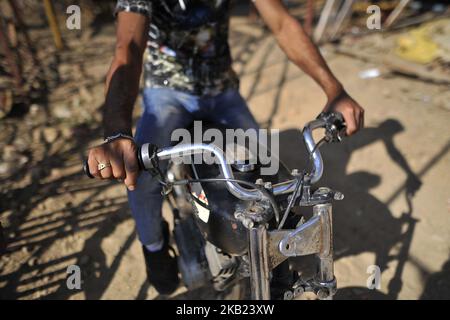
(335, 127)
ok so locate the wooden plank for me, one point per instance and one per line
(394, 64)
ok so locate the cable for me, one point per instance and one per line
(298, 186)
(317, 146)
(249, 184)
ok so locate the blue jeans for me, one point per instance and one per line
(165, 110)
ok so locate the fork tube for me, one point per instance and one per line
(259, 263)
(326, 270)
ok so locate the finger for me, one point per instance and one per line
(351, 129)
(351, 124)
(357, 117)
(131, 170)
(117, 166)
(92, 163)
(106, 173)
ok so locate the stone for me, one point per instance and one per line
(62, 111)
(50, 134)
(32, 261)
(9, 153)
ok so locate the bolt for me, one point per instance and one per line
(322, 294)
(248, 223)
(259, 182)
(268, 185)
(295, 172)
(288, 295)
(338, 196)
(238, 215)
(299, 291)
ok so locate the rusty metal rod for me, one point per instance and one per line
(53, 22)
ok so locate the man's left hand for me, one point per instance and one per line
(352, 112)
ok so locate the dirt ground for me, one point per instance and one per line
(394, 174)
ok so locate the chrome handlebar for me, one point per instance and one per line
(187, 150)
(332, 122)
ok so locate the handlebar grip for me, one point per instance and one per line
(334, 125)
(141, 165)
(341, 126)
(86, 170)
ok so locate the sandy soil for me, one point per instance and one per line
(394, 174)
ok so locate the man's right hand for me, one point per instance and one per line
(120, 158)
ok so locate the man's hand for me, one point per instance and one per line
(120, 157)
(304, 53)
(351, 110)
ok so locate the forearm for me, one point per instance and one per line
(122, 88)
(298, 46)
(304, 53)
(122, 81)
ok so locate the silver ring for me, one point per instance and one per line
(102, 166)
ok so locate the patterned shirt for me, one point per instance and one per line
(188, 46)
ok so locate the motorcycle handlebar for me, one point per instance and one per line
(332, 122)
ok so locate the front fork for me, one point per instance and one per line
(267, 249)
(259, 263)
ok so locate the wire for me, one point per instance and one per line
(298, 186)
(317, 146)
(249, 184)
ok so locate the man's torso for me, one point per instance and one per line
(188, 44)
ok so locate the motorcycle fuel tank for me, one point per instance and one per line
(215, 206)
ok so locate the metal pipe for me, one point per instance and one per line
(184, 150)
(395, 14)
(237, 190)
(325, 272)
(344, 13)
(323, 20)
(312, 150)
(259, 266)
(240, 192)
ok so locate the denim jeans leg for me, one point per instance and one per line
(163, 112)
(231, 110)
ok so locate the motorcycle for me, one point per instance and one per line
(236, 228)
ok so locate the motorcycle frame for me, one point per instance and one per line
(267, 249)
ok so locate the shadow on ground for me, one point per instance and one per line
(363, 223)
